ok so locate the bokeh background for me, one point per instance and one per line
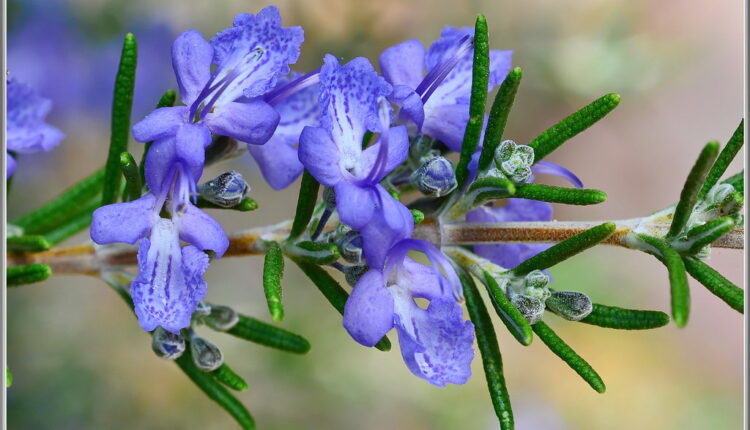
(80, 361)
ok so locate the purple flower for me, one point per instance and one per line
(26, 130)
(296, 100)
(249, 58)
(352, 101)
(436, 343)
(169, 285)
(438, 101)
(510, 255)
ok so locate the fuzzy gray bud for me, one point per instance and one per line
(435, 177)
(571, 305)
(222, 318)
(515, 161)
(226, 190)
(206, 356)
(530, 307)
(167, 345)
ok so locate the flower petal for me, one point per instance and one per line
(436, 343)
(191, 61)
(355, 205)
(410, 103)
(185, 150)
(278, 161)
(548, 168)
(252, 122)
(403, 64)
(124, 222)
(446, 123)
(198, 228)
(320, 156)
(160, 124)
(397, 151)
(389, 225)
(368, 313)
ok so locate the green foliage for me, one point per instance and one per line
(693, 184)
(228, 377)
(499, 117)
(701, 236)
(737, 181)
(570, 126)
(517, 325)
(122, 106)
(247, 204)
(677, 277)
(265, 334)
(492, 361)
(625, 319)
(566, 249)
(129, 170)
(78, 222)
(566, 353)
(720, 286)
(314, 252)
(553, 194)
(273, 270)
(167, 100)
(308, 195)
(35, 243)
(27, 274)
(725, 158)
(479, 83)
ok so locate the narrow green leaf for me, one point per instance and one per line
(308, 195)
(62, 207)
(8, 377)
(333, 292)
(273, 270)
(698, 237)
(73, 225)
(566, 249)
(27, 244)
(499, 117)
(566, 353)
(320, 253)
(167, 100)
(720, 286)
(725, 158)
(693, 184)
(265, 334)
(737, 181)
(215, 391)
(226, 376)
(122, 106)
(28, 274)
(625, 319)
(132, 176)
(491, 188)
(517, 325)
(677, 277)
(492, 361)
(554, 194)
(479, 83)
(570, 126)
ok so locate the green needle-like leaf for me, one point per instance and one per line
(27, 244)
(492, 361)
(73, 225)
(689, 195)
(215, 391)
(491, 188)
(625, 319)
(677, 277)
(566, 249)
(265, 334)
(273, 270)
(698, 237)
(226, 376)
(308, 195)
(479, 83)
(8, 377)
(737, 181)
(28, 274)
(132, 176)
(61, 208)
(570, 126)
(517, 325)
(725, 158)
(166, 100)
(333, 292)
(553, 194)
(320, 253)
(122, 106)
(720, 286)
(499, 117)
(566, 353)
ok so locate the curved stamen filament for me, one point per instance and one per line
(283, 92)
(435, 77)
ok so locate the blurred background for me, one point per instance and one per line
(80, 361)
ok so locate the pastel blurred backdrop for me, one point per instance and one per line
(80, 360)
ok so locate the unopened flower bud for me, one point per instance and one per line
(571, 305)
(515, 161)
(535, 285)
(353, 273)
(350, 246)
(206, 356)
(167, 345)
(202, 309)
(435, 177)
(530, 307)
(226, 190)
(222, 318)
